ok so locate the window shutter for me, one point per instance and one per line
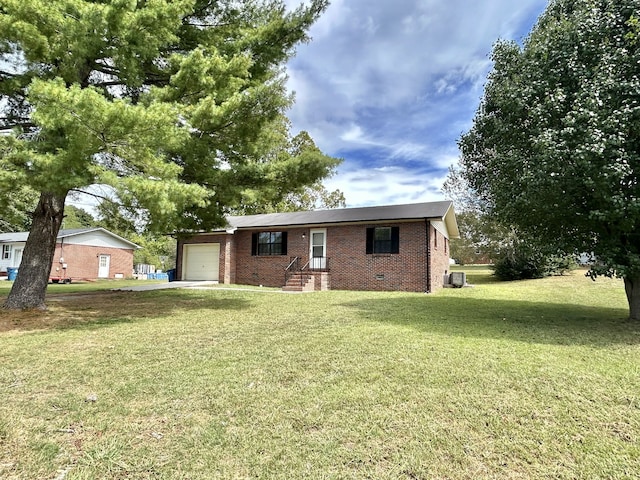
(254, 244)
(284, 243)
(395, 240)
(370, 235)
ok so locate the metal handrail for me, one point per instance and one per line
(302, 275)
(320, 264)
(294, 268)
(294, 260)
(291, 269)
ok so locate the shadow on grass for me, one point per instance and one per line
(533, 322)
(107, 308)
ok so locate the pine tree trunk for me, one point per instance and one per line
(632, 288)
(30, 286)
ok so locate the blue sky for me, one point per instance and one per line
(390, 85)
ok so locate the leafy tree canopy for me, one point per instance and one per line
(486, 238)
(76, 217)
(155, 248)
(555, 145)
(16, 208)
(176, 106)
(482, 236)
(284, 196)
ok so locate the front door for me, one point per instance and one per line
(318, 249)
(17, 257)
(103, 266)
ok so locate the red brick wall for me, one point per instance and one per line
(268, 270)
(229, 272)
(439, 258)
(82, 261)
(351, 268)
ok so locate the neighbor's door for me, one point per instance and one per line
(17, 257)
(318, 249)
(103, 266)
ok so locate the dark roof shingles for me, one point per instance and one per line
(414, 211)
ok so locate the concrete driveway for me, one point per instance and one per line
(162, 286)
(194, 285)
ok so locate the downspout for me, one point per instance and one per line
(62, 263)
(428, 231)
(178, 266)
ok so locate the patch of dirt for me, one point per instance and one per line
(58, 297)
(63, 310)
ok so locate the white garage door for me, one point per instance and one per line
(201, 262)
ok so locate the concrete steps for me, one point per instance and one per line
(299, 282)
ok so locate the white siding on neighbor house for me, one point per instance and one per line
(96, 239)
(14, 259)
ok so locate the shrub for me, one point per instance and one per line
(561, 264)
(519, 266)
(523, 262)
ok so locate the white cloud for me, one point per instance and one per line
(391, 185)
(399, 79)
(354, 134)
(334, 18)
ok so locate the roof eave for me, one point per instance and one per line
(451, 222)
(228, 230)
(95, 229)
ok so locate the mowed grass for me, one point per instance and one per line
(532, 379)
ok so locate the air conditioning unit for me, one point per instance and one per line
(458, 279)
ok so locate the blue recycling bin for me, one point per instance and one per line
(171, 274)
(12, 273)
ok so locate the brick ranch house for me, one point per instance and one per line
(395, 247)
(84, 253)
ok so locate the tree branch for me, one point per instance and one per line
(113, 83)
(208, 25)
(96, 195)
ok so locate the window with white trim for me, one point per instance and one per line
(6, 252)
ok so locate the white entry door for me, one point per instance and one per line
(103, 266)
(318, 249)
(17, 257)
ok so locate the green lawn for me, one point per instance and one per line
(532, 379)
(84, 285)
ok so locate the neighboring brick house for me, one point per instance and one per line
(84, 253)
(395, 247)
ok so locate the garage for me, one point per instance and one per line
(201, 262)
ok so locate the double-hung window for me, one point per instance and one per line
(6, 252)
(383, 240)
(269, 243)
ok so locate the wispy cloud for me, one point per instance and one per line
(393, 84)
(387, 185)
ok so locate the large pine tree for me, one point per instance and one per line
(169, 104)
